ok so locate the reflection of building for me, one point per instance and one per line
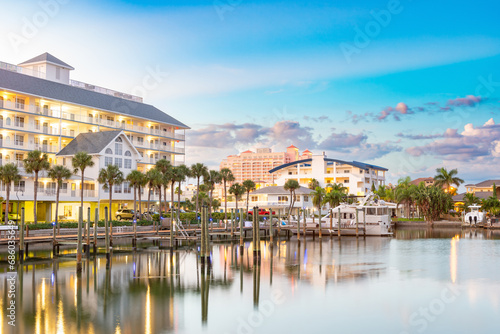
(255, 166)
(357, 177)
(42, 109)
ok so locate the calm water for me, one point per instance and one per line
(420, 281)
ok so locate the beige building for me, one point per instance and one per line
(255, 166)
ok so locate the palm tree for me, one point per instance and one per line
(81, 161)
(183, 172)
(291, 185)
(164, 166)
(249, 186)
(403, 193)
(469, 199)
(333, 198)
(445, 178)
(318, 196)
(136, 179)
(34, 163)
(335, 187)
(8, 174)
(227, 176)
(237, 190)
(212, 178)
(198, 170)
(313, 184)
(154, 179)
(108, 177)
(59, 174)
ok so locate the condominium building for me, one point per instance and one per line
(481, 190)
(255, 166)
(356, 176)
(41, 108)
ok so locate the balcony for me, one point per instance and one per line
(21, 145)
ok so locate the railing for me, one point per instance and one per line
(22, 70)
(106, 91)
(31, 147)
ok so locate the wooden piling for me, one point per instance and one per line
(305, 225)
(241, 231)
(110, 232)
(207, 238)
(21, 238)
(54, 241)
(357, 222)
(232, 224)
(88, 232)
(96, 220)
(79, 244)
(298, 225)
(279, 222)
(203, 231)
(339, 223)
(271, 234)
(106, 238)
(364, 222)
(172, 227)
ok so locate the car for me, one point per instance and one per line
(124, 214)
(262, 212)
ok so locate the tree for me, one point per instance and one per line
(136, 180)
(491, 204)
(212, 178)
(334, 197)
(164, 166)
(291, 186)
(469, 199)
(108, 177)
(318, 196)
(446, 179)
(80, 162)
(198, 170)
(404, 193)
(249, 186)
(59, 174)
(313, 184)
(494, 190)
(182, 173)
(237, 190)
(227, 176)
(35, 163)
(8, 174)
(432, 201)
(216, 204)
(154, 180)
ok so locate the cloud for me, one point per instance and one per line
(472, 143)
(320, 119)
(468, 101)
(448, 133)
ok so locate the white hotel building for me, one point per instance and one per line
(356, 176)
(41, 108)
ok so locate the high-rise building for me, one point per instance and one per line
(41, 108)
(255, 166)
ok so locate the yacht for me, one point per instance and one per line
(474, 217)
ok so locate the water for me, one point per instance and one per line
(420, 281)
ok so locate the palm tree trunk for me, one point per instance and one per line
(140, 201)
(6, 215)
(135, 203)
(179, 202)
(197, 192)
(172, 184)
(225, 202)
(149, 199)
(34, 197)
(248, 194)
(82, 191)
(166, 203)
(110, 199)
(57, 205)
(210, 206)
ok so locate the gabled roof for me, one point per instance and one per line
(422, 179)
(291, 146)
(306, 151)
(92, 143)
(479, 194)
(280, 190)
(247, 151)
(53, 90)
(488, 183)
(47, 57)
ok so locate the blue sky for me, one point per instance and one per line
(395, 83)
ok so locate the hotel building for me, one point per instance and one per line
(357, 177)
(41, 108)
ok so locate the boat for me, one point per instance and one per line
(352, 218)
(474, 218)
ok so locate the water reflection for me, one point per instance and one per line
(153, 291)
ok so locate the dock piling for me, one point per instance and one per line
(106, 238)
(96, 220)
(79, 244)
(21, 238)
(339, 223)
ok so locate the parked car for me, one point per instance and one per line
(124, 214)
(262, 212)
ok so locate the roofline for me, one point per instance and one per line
(69, 67)
(354, 163)
(185, 127)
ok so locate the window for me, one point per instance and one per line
(346, 181)
(128, 154)
(58, 73)
(306, 198)
(64, 188)
(254, 198)
(19, 186)
(297, 198)
(347, 171)
(108, 161)
(109, 151)
(64, 161)
(360, 171)
(282, 199)
(19, 121)
(118, 162)
(19, 140)
(19, 103)
(68, 211)
(140, 140)
(370, 211)
(40, 187)
(118, 188)
(126, 188)
(118, 149)
(128, 163)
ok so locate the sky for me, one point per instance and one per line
(407, 85)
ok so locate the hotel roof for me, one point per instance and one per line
(358, 164)
(57, 91)
(90, 142)
(47, 57)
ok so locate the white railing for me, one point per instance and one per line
(106, 91)
(21, 70)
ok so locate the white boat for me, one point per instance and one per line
(377, 222)
(474, 217)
